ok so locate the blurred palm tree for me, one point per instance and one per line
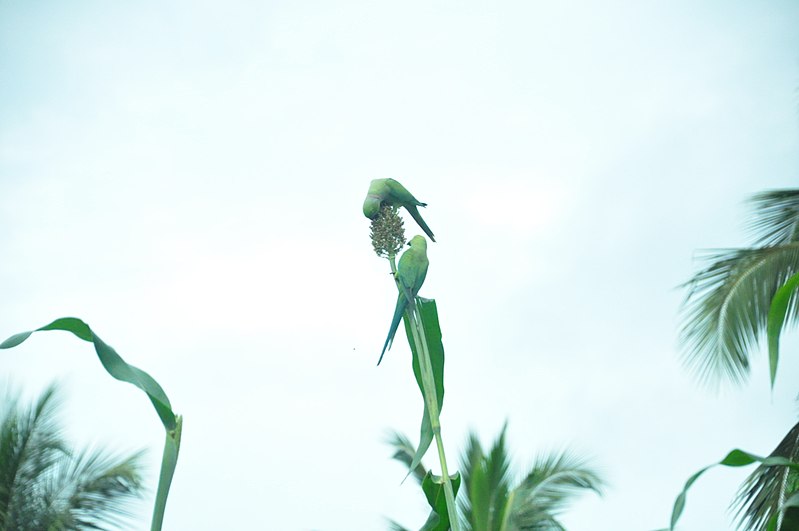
(46, 486)
(495, 501)
(725, 316)
(726, 309)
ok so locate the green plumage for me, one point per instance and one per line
(391, 192)
(411, 272)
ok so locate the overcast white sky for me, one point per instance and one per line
(188, 176)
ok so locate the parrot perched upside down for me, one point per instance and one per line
(411, 271)
(391, 192)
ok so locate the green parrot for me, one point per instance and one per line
(391, 192)
(411, 271)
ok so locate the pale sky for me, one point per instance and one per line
(187, 177)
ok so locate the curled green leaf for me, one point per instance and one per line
(119, 369)
(736, 458)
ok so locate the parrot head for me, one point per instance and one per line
(418, 242)
(371, 206)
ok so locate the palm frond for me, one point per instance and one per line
(776, 217)
(30, 443)
(486, 481)
(470, 464)
(540, 523)
(497, 466)
(404, 452)
(45, 486)
(96, 488)
(554, 481)
(487, 501)
(394, 526)
(767, 488)
(726, 309)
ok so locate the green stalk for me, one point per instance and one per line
(168, 462)
(426, 368)
(428, 382)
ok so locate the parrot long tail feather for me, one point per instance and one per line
(414, 212)
(402, 303)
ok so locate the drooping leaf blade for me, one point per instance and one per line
(736, 458)
(111, 361)
(121, 370)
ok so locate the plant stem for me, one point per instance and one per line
(168, 462)
(426, 369)
(431, 400)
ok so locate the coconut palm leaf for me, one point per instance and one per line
(725, 314)
(726, 309)
(30, 444)
(554, 482)
(486, 480)
(93, 488)
(491, 502)
(45, 486)
(727, 306)
(765, 491)
(776, 217)
(394, 526)
(404, 452)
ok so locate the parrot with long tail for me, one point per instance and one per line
(391, 192)
(411, 272)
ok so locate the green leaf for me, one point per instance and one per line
(433, 487)
(15, 340)
(776, 318)
(119, 369)
(432, 330)
(736, 458)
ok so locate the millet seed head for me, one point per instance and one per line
(387, 232)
